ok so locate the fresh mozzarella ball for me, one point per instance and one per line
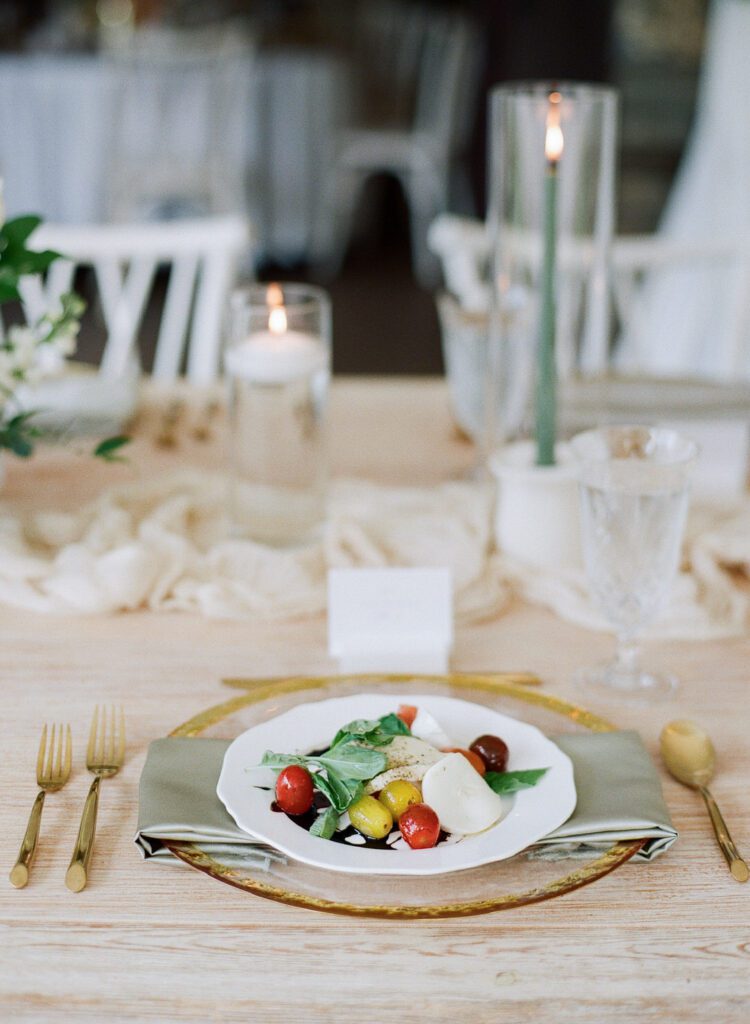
(460, 797)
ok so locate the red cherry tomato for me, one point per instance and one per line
(294, 789)
(471, 756)
(419, 826)
(407, 713)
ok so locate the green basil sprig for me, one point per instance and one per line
(377, 732)
(325, 823)
(341, 770)
(504, 783)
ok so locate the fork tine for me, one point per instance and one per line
(58, 759)
(112, 736)
(50, 752)
(40, 755)
(102, 734)
(121, 743)
(68, 751)
(91, 749)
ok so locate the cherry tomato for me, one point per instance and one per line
(493, 751)
(407, 713)
(471, 756)
(294, 789)
(398, 795)
(370, 817)
(419, 826)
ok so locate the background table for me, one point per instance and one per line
(663, 942)
(57, 118)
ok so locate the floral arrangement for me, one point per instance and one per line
(30, 352)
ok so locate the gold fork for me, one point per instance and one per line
(104, 757)
(52, 772)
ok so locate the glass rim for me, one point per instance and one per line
(686, 453)
(303, 296)
(541, 88)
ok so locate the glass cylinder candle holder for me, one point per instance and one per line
(550, 220)
(277, 364)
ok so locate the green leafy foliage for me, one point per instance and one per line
(108, 450)
(325, 824)
(18, 435)
(340, 792)
(377, 732)
(505, 783)
(16, 259)
(339, 772)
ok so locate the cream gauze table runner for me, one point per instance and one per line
(163, 544)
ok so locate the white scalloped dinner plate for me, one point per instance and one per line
(530, 814)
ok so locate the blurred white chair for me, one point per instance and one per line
(440, 53)
(179, 135)
(463, 247)
(202, 256)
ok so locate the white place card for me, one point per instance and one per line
(390, 620)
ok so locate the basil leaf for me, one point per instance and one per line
(351, 761)
(392, 725)
(361, 726)
(340, 792)
(511, 782)
(325, 824)
(271, 760)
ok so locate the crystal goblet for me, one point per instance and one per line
(634, 488)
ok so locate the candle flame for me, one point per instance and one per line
(277, 320)
(553, 141)
(274, 295)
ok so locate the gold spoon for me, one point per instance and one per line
(689, 755)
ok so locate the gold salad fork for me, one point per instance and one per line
(104, 757)
(52, 772)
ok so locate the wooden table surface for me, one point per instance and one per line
(662, 942)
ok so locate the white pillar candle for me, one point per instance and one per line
(276, 356)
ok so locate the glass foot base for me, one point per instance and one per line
(632, 685)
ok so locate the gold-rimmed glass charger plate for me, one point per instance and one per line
(492, 887)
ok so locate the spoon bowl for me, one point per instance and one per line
(689, 755)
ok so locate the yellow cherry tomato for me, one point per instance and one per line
(398, 795)
(370, 817)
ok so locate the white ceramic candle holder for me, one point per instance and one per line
(537, 518)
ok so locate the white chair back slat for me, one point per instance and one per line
(203, 256)
(203, 357)
(175, 319)
(126, 316)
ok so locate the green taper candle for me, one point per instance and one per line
(546, 399)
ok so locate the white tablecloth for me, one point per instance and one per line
(56, 120)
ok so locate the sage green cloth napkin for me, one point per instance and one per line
(619, 797)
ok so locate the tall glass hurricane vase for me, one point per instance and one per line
(551, 189)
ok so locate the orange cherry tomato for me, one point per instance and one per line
(407, 713)
(473, 758)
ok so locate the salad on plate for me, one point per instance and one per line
(396, 782)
